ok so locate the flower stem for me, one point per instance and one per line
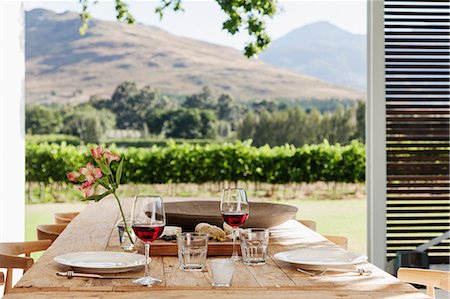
(123, 218)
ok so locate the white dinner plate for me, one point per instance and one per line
(101, 261)
(320, 258)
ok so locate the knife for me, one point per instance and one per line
(71, 274)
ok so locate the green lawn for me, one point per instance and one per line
(333, 217)
(345, 217)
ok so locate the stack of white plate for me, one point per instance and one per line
(101, 261)
(320, 258)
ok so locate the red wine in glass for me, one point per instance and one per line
(234, 219)
(147, 221)
(234, 209)
(148, 233)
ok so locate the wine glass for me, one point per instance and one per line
(148, 221)
(234, 209)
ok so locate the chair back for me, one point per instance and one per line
(49, 231)
(339, 241)
(61, 218)
(10, 259)
(430, 278)
(309, 224)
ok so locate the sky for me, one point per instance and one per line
(203, 19)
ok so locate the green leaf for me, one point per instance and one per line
(104, 182)
(105, 169)
(119, 172)
(95, 197)
(95, 185)
(99, 197)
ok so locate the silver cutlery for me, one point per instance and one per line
(71, 274)
(358, 271)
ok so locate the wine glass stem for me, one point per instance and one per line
(235, 253)
(147, 258)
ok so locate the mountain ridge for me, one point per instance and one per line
(322, 50)
(62, 66)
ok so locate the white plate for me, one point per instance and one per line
(101, 261)
(320, 258)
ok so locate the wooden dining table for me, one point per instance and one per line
(94, 229)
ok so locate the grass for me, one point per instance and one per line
(346, 217)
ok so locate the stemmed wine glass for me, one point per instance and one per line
(234, 210)
(148, 220)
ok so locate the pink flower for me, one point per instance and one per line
(73, 176)
(111, 157)
(91, 173)
(87, 187)
(97, 152)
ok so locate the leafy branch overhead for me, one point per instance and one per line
(249, 15)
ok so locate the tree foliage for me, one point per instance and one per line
(43, 120)
(361, 121)
(189, 124)
(202, 100)
(249, 15)
(132, 105)
(89, 124)
(145, 112)
(297, 127)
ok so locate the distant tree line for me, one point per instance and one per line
(202, 115)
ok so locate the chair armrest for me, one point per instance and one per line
(18, 248)
(16, 262)
(426, 277)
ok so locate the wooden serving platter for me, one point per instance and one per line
(187, 214)
(170, 248)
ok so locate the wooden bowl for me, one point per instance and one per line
(188, 214)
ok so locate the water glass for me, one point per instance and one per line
(192, 251)
(254, 243)
(222, 272)
(124, 239)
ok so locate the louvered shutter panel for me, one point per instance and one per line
(417, 66)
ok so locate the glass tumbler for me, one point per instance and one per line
(254, 243)
(125, 243)
(192, 251)
(222, 272)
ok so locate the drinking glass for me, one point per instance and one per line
(126, 243)
(254, 243)
(192, 251)
(148, 220)
(234, 209)
(222, 272)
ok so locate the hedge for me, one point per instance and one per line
(188, 163)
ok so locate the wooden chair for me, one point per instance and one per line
(10, 259)
(61, 218)
(49, 231)
(309, 224)
(338, 240)
(430, 278)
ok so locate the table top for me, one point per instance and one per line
(94, 230)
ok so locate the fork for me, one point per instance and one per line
(359, 271)
(71, 274)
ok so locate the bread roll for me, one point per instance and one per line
(214, 232)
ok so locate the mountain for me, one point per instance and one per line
(62, 66)
(322, 50)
